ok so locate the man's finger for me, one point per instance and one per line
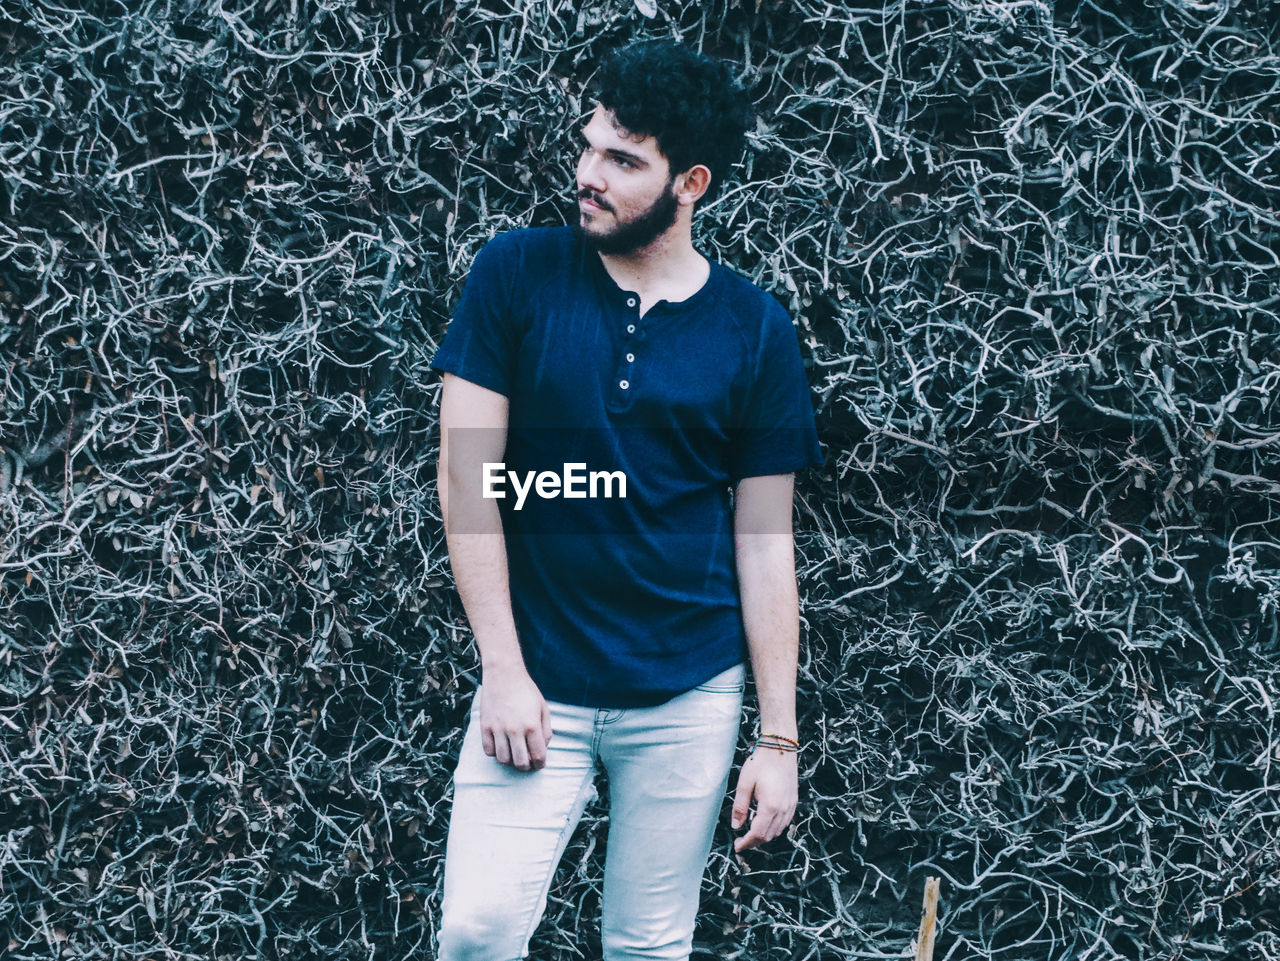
(502, 750)
(519, 752)
(765, 822)
(742, 798)
(486, 740)
(537, 750)
(546, 723)
(752, 838)
(764, 828)
(787, 817)
(786, 814)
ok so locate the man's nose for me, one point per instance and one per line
(589, 175)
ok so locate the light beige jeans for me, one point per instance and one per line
(668, 771)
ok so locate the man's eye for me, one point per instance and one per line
(621, 161)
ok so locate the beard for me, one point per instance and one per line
(634, 234)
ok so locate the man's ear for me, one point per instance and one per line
(692, 184)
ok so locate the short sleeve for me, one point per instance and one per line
(775, 433)
(483, 339)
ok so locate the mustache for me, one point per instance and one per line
(588, 195)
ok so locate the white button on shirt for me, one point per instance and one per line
(623, 384)
(631, 328)
(630, 358)
(631, 301)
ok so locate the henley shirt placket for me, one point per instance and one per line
(624, 379)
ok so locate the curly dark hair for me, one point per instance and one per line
(686, 100)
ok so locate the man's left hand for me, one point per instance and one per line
(769, 778)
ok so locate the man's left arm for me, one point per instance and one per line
(764, 553)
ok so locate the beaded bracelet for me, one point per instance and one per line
(780, 737)
(779, 743)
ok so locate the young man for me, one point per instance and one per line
(613, 630)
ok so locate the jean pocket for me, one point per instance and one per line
(710, 688)
(732, 681)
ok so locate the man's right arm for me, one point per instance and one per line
(514, 718)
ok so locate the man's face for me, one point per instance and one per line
(625, 195)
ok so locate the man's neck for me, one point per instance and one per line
(669, 265)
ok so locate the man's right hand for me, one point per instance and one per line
(515, 722)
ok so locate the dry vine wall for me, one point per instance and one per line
(1030, 250)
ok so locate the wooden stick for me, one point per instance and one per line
(924, 949)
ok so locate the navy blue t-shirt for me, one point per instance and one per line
(627, 601)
